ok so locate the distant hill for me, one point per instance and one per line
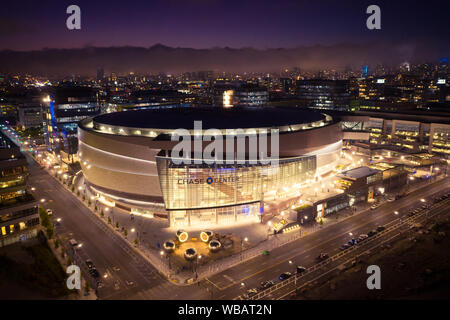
(160, 58)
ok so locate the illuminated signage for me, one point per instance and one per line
(209, 180)
(380, 80)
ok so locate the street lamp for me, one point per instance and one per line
(242, 244)
(396, 212)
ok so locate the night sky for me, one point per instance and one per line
(30, 25)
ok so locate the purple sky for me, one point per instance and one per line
(30, 25)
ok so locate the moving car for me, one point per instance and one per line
(390, 199)
(267, 284)
(380, 228)
(300, 269)
(374, 206)
(73, 242)
(285, 275)
(250, 293)
(362, 237)
(49, 212)
(372, 233)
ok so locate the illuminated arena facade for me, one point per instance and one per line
(126, 159)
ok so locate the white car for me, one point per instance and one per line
(49, 212)
(390, 199)
(362, 237)
(374, 206)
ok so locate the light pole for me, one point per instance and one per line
(242, 244)
(295, 276)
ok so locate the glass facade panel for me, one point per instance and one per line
(211, 187)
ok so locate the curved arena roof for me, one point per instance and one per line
(211, 117)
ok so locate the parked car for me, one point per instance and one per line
(390, 199)
(267, 284)
(94, 273)
(285, 275)
(380, 228)
(352, 242)
(300, 269)
(344, 246)
(374, 206)
(49, 212)
(90, 264)
(73, 242)
(322, 256)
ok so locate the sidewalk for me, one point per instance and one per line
(149, 243)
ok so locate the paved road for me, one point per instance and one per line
(227, 285)
(132, 277)
(109, 252)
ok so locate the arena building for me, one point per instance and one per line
(126, 160)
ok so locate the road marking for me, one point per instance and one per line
(228, 278)
(375, 218)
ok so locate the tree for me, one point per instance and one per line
(109, 220)
(117, 224)
(69, 261)
(136, 241)
(56, 242)
(321, 221)
(89, 202)
(84, 197)
(73, 188)
(50, 232)
(78, 193)
(125, 232)
(63, 252)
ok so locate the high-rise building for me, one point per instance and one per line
(324, 94)
(19, 218)
(64, 108)
(286, 84)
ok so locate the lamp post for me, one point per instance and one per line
(242, 244)
(295, 276)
